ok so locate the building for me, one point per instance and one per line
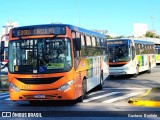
(5, 30)
(140, 29)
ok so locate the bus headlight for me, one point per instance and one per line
(65, 86)
(14, 87)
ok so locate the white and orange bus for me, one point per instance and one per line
(130, 56)
(55, 62)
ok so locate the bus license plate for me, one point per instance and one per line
(39, 96)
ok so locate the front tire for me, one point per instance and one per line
(149, 69)
(100, 86)
(137, 72)
(84, 91)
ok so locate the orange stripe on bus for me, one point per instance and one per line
(115, 63)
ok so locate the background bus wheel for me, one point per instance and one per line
(100, 86)
(149, 69)
(111, 76)
(84, 91)
(137, 72)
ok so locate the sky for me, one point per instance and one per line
(116, 16)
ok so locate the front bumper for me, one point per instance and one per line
(120, 71)
(42, 95)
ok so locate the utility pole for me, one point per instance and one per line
(153, 20)
(79, 13)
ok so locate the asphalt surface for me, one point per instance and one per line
(111, 102)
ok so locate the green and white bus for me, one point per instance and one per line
(129, 56)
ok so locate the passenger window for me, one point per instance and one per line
(93, 41)
(98, 42)
(82, 40)
(88, 40)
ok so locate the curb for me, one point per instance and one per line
(150, 99)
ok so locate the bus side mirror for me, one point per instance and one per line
(2, 47)
(77, 44)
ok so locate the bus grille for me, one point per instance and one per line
(39, 80)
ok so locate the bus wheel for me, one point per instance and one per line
(111, 76)
(84, 91)
(137, 72)
(149, 69)
(100, 86)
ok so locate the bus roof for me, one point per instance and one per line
(118, 39)
(136, 41)
(72, 27)
(143, 42)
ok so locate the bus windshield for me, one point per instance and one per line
(40, 55)
(119, 53)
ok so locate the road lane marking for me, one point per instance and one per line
(4, 96)
(101, 96)
(7, 99)
(95, 93)
(4, 93)
(122, 97)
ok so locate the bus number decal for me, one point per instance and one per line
(28, 87)
(23, 32)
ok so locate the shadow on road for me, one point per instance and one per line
(48, 103)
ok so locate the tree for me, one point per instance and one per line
(122, 36)
(150, 34)
(109, 37)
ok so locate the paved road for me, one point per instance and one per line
(107, 95)
(111, 101)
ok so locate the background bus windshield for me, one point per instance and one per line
(119, 53)
(40, 55)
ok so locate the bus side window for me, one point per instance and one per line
(93, 41)
(147, 49)
(102, 43)
(103, 46)
(88, 41)
(83, 46)
(98, 42)
(133, 52)
(76, 53)
(89, 46)
(153, 48)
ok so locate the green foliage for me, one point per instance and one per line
(151, 34)
(109, 37)
(122, 36)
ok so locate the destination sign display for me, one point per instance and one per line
(36, 31)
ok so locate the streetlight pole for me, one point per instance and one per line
(79, 13)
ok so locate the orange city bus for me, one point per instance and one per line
(55, 62)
